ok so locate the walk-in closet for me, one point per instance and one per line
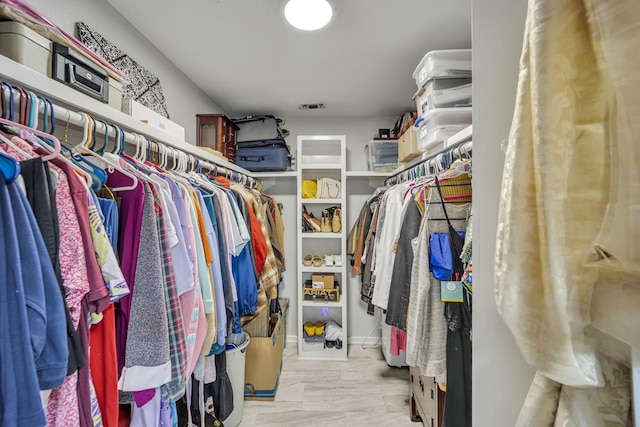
(319, 213)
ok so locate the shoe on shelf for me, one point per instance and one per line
(336, 221)
(310, 329)
(326, 226)
(329, 260)
(319, 327)
(307, 260)
(317, 261)
(337, 260)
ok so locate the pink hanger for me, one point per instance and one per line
(56, 142)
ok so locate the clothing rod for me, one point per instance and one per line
(75, 118)
(464, 145)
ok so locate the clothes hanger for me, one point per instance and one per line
(9, 167)
(56, 142)
(110, 163)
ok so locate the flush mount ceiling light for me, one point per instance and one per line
(308, 15)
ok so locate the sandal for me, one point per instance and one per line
(336, 221)
(307, 260)
(317, 261)
(329, 260)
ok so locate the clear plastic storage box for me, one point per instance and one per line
(440, 124)
(382, 156)
(443, 64)
(444, 93)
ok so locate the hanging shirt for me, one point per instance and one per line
(19, 389)
(396, 204)
(177, 345)
(111, 272)
(131, 207)
(216, 269)
(148, 326)
(190, 298)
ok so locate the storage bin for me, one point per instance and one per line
(440, 124)
(443, 64)
(382, 156)
(408, 145)
(443, 93)
(398, 361)
(236, 358)
(23, 45)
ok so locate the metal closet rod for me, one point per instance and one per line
(457, 150)
(75, 118)
(63, 114)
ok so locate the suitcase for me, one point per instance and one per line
(260, 128)
(263, 156)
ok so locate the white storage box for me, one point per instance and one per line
(382, 156)
(444, 93)
(440, 124)
(146, 115)
(23, 45)
(443, 64)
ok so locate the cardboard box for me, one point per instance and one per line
(321, 295)
(322, 281)
(263, 365)
(408, 145)
(258, 326)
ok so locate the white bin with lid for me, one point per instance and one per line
(440, 124)
(439, 64)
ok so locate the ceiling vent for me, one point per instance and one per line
(318, 106)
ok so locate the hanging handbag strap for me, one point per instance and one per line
(455, 241)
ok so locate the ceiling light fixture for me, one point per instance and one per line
(308, 15)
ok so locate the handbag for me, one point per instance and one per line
(309, 188)
(328, 188)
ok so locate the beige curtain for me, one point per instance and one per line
(566, 254)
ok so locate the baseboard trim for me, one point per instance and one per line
(359, 340)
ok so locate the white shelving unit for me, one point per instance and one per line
(321, 156)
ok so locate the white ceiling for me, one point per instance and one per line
(245, 56)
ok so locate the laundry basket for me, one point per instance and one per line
(235, 369)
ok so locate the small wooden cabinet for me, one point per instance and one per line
(217, 131)
(426, 399)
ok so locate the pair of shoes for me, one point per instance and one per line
(314, 329)
(308, 260)
(333, 261)
(331, 344)
(326, 222)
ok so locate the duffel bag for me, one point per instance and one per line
(263, 156)
(259, 128)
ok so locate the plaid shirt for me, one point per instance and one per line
(177, 343)
(270, 276)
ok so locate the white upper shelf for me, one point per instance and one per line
(20, 75)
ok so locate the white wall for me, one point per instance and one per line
(501, 377)
(184, 99)
(358, 131)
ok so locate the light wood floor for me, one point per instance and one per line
(364, 391)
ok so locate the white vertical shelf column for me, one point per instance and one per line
(321, 156)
